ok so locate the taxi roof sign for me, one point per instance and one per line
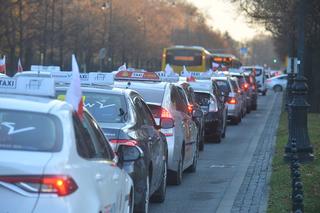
(137, 76)
(34, 86)
(85, 78)
(40, 68)
(168, 77)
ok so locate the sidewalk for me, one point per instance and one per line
(253, 193)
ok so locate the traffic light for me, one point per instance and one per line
(275, 61)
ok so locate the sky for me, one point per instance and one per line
(224, 16)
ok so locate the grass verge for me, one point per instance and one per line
(280, 182)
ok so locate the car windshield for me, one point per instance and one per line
(224, 86)
(27, 131)
(105, 108)
(202, 98)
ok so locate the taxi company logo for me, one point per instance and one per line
(137, 75)
(84, 77)
(7, 83)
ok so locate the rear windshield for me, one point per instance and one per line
(150, 95)
(28, 131)
(105, 108)
(202, 99)
(187, 57)
(224, 86)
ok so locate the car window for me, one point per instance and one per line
(101, 144)
(28, 131)
(90, 144)
(182, 104)
(147, 114)
(224, 86)
(144, 119)
(84, 142)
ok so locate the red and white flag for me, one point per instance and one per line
(19, 68)
(74, 93)
(3, 65)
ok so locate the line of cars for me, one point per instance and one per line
(138, 133)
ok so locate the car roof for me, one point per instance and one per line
(144, 84)
(99, 89)
(31, 103)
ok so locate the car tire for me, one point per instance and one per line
(175, 177)
(254, 107)
(131, 202)
(201, 145)
(224, 131)
(248, 109)
(264, 93)
(143, 206)
(277, 88)
(193, 167)
(160, 194)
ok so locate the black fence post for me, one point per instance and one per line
(296, 183)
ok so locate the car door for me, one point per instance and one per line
(107, 175)
(190, 127)
(157, 146)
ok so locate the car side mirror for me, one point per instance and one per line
(166, 123)
(129, 153)
(197, 113)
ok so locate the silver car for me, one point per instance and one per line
(277, 83)
(234, 99)
(167, 100)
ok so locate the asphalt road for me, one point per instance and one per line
(221, 168)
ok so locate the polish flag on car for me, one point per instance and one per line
(3, 65)
(19, 68)
(74, 93)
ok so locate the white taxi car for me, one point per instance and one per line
(50, 159)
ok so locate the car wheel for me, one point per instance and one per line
(248, 109)
(143, 207)
(254, 107)
(224, 131)
(193, 167)
(160, 195)
(201, 145)
(175, 177)
(264, 93)
(277, 88)
(130, 202)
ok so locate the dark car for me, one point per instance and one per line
(215, 114)
(194, 106)
(127, 120)
(253, 91)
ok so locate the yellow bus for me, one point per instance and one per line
(194, 58)
(226, 60)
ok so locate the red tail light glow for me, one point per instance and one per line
(190, 108)
(165, 113)
(126, 142)
(232, 101)
(60, 185)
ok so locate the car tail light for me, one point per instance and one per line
(190, 108)
(60, 185)
(191, 79)
(232, 101)
(165, 113)
(127, 142)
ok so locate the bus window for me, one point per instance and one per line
(184, 57)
